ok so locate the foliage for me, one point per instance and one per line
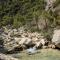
(7, 20)
(19, 10)
(22, 12)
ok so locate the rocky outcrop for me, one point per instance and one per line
(49, 4)
(17, 38)
(56, 38)
(6, 57)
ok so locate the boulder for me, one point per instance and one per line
(56, 38)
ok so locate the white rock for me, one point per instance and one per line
(42, 41)
(56, 38)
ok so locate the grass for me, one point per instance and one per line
(44, 54)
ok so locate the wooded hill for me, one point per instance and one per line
(35, 14)
(21, 11)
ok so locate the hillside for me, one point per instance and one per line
(30, 26)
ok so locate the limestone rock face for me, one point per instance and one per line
(56, 38)
(49, 4)
(15, 38)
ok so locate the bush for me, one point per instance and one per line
(6, 20)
